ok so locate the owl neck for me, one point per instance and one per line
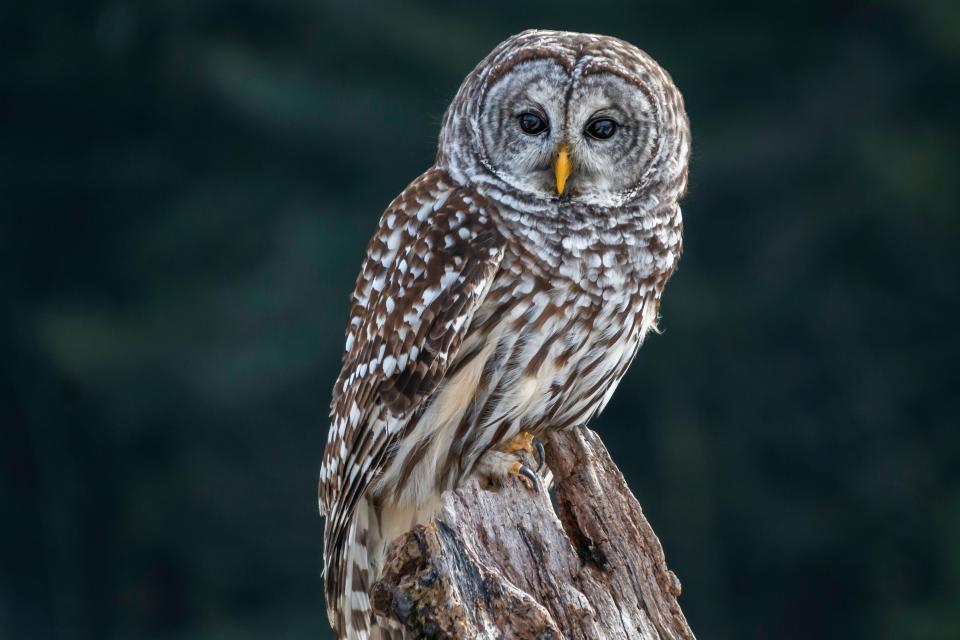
(600, 250)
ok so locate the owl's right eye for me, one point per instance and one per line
(532, 124)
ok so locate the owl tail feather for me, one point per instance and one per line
(349, 573)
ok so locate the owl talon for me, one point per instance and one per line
(496, 465)
(541, 454)
(528, 476)
(523, 441)
(526, 442)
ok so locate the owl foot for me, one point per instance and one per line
(511, 460)
(526, 442)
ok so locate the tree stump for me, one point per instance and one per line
(505, 565)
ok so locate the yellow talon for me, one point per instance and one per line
(521, 442)
(526, 476)
(506, 460)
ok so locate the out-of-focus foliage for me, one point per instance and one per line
(186, 191)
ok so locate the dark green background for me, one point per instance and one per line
(187, 188)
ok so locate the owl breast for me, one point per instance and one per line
(545, 350)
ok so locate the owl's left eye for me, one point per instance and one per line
(601, 128)
(532, 124)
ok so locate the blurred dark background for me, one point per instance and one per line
(187, 189)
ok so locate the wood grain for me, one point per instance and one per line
(506, 565)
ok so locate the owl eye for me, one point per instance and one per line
(532, 124)
(601, 128)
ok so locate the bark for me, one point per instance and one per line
(506, 565)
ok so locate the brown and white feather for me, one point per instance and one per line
(486, 307)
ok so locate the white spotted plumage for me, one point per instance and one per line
(489, 305)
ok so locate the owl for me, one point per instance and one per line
(504, 293)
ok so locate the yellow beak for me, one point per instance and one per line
(562, 167)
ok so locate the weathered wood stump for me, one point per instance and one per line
(506, 565)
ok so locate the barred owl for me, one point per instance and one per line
(505, 292)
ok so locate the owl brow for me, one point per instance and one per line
(536, 106)
(610, 111)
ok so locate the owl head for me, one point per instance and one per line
(557, 117)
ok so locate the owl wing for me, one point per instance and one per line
(426, 271)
